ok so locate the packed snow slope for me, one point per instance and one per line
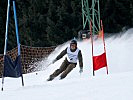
(118, 85)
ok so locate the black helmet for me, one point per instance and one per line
(73, 42)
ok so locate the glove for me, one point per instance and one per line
(54, 61)
(81, 70)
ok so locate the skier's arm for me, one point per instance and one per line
(80, 60)
(61, 54)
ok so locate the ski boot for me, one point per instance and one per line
(50, 78)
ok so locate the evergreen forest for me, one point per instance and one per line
(44, 23)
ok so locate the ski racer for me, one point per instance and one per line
(73, 55)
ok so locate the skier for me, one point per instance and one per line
(70, 62)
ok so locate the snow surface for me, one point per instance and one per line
(118, 85)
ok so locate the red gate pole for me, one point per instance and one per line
(104, 44)
(92, 46)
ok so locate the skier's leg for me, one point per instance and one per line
(58, 71)
(68, 70)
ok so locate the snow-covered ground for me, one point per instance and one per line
(118, 85)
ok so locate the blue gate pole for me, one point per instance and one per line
(16, 25)
(7, 23)
(6, 37)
